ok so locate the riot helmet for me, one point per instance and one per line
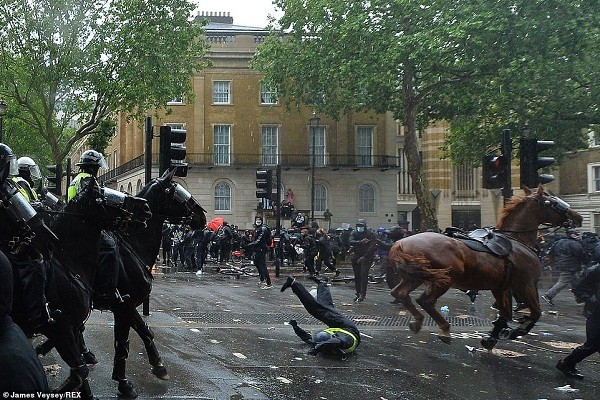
(8, 163)
(29, 170)
(92, 158)
(321, 336)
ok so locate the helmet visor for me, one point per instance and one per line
(14, 166)
(34, 171)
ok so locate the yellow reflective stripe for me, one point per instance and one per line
(354, 343)
(75, 185)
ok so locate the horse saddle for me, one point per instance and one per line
(483, 240)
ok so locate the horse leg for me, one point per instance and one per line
(402, 292)
(67, 347)
(427, 300)
(121, 330)
(530, 297)
(88, 356)
(501, 323)
(147, 336)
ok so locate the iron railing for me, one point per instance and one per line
(333, 161)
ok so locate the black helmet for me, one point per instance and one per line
(92, 158)
(8, 163)
(361, 222)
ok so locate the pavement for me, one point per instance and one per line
(222, 337)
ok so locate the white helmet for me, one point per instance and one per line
(27, 165)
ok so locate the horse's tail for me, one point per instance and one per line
(415, 267)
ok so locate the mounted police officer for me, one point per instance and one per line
(28, 181)
(22, 255)
(108, 274)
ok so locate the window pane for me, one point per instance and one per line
(364, 146)
(319, 146)
(221, 92)
(366, 198)
(320, 197)
(222, 197)
(221, 144)
(267, 95)
(269, 141)
(596, 179)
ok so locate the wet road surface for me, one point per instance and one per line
(224, 338)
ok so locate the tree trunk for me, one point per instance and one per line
(415, 170)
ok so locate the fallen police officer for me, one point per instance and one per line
(340, 338)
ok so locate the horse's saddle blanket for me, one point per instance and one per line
(484, 240)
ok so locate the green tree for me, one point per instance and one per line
(422, 61)
(75, 63)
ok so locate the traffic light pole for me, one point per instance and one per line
(147, 179)
(507, 191)
(279, 257)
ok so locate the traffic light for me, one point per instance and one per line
(531, 162)
(492, 171)
(172, 150)
(55, 179)
(264, 184)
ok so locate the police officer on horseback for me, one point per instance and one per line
(108, 274)
(23, 256)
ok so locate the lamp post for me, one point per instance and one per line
(3, 107)
(314, 123)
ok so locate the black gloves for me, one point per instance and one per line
(293, 322)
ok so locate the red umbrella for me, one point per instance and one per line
(215, 223)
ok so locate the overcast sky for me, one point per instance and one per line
(244, 12)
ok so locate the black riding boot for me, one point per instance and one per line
(126, 388)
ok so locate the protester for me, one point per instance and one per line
(340, 338)
(586, 289)
(567, 256)
(363, 242)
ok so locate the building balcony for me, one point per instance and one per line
(288, 161)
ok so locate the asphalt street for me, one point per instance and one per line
(222, 337)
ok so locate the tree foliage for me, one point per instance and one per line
(68, 63)
(483, 65)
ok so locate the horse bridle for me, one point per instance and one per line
(554, 203)
(182, 196)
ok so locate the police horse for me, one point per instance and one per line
(71, 270)
(497, 260)
(139, 247)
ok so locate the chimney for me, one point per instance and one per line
(216, 16)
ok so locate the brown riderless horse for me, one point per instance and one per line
(442, 262)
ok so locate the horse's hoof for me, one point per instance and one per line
(127, 390)
(415, 326)
(489, 343)
(445, 337)
(160, 372)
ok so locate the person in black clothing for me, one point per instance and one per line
(20, 367)
(363, 242)
(567, 256)
(586, 288)
(341, 337)
(309, 245)
(260, 247)
(224, 236)
(325, 255)
(167, 243)
(188, 249)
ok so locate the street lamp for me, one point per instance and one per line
(3, 107)
(314, 123)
